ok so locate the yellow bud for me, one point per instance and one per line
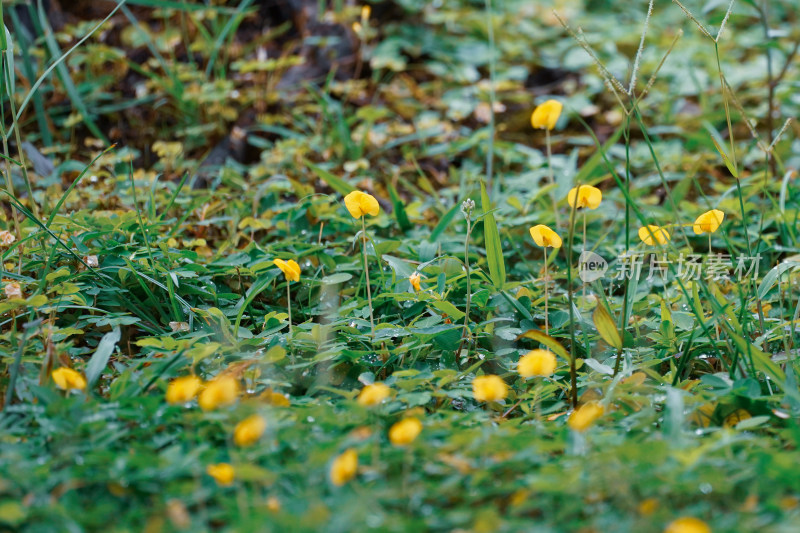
(489, 388)
(584, 416)
(183, 389)
(537, 363)
(249, 430)
(373, 394)
(344, 467)
(405, 431)
(220, 392)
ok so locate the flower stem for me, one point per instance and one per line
(550, 173)
(466, 337)
(469, 285)
(546, 297)
(289, 304)
(366, 273)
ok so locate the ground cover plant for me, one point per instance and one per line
(399, 266)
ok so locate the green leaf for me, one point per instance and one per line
(494, 252)
(717, 144)
(101, 355)
(443, 223)
(446, 307)
(772, 277)
(399, 209)
(335, 279)
(336, 183)
(548, 341)
(606, 327)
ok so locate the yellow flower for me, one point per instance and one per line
(405, 431)
(646, 233)
(587, 196)
(687, 524)
(344, 467)
(544, 237)
(249, 430)
(222, 473)
(708, 222)
(489, 388)
(584, 416)
(183, 389)
(537, 363)
(289, 268)
(68, 379)
(6, 238)
(546, 115)
(373, 394)
(219, 392)
(415, 280)
(360, 204)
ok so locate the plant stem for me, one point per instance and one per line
(727, 110)
(366, 273)
(289, 304)
(584, 251)
(551, 175)
(546, 296)
(465, 336)
(573, 370)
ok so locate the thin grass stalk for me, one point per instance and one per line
(573, 370)
(465, 336)
(551, 174)
(366, 273)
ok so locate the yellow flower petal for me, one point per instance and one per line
(415, 280)
(587, 196)
(223, 473)
(544, 236)
(289, 268)
(360, 203)
(68, 379)
(708, 222)
(546, 115)
(647, 234)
